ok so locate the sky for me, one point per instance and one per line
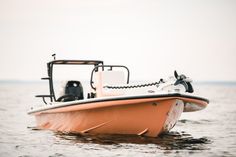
(152, 37)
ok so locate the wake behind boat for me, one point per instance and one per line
(114, 105)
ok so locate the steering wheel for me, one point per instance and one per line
(66, 97)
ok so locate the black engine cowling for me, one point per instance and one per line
(182, 79)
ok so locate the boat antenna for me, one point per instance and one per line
(54, 56)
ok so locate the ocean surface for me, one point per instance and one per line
(210, 132)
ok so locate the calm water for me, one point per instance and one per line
(211, 132)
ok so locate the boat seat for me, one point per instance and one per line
(73, 91)
(104, 78)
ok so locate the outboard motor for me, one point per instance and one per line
(73, 91)
(185, 81)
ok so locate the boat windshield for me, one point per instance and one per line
(70, 84)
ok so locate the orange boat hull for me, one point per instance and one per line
(148, 117)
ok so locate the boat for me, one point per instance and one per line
(113, 105)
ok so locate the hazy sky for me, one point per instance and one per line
(151, 37)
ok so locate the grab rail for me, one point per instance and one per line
(96, 68)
